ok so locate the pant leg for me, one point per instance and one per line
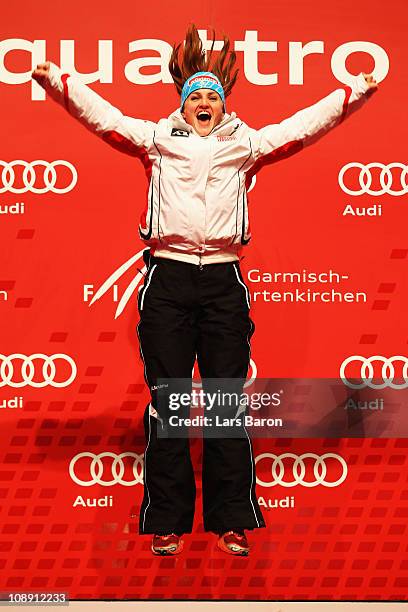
(223, 351)
(167, 346)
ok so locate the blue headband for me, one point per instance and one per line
(202, 80)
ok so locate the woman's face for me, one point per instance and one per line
(203, 109)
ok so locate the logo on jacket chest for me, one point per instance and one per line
(225, 138)
(178, 132)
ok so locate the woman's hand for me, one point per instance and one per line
(41, 73)
(372, 83)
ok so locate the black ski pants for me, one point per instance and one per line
(188, 312)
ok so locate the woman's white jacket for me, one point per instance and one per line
(197, 206)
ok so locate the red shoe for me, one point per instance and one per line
(234, 543)
(167, 544)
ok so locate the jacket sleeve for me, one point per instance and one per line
(129, 135)
(280, 140)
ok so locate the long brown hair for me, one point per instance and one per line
(194, 60)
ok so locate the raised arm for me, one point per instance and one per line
(280, 140)
(131, 136)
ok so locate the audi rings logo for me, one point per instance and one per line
(100, 470)
(365, 179)
(126, 469)
(366, 372)
(30, 174)
(294, 468)
(27, 370)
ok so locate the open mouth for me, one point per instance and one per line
(204, 118)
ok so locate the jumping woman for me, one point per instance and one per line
(194, 303)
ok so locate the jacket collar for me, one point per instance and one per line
(225, 127)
